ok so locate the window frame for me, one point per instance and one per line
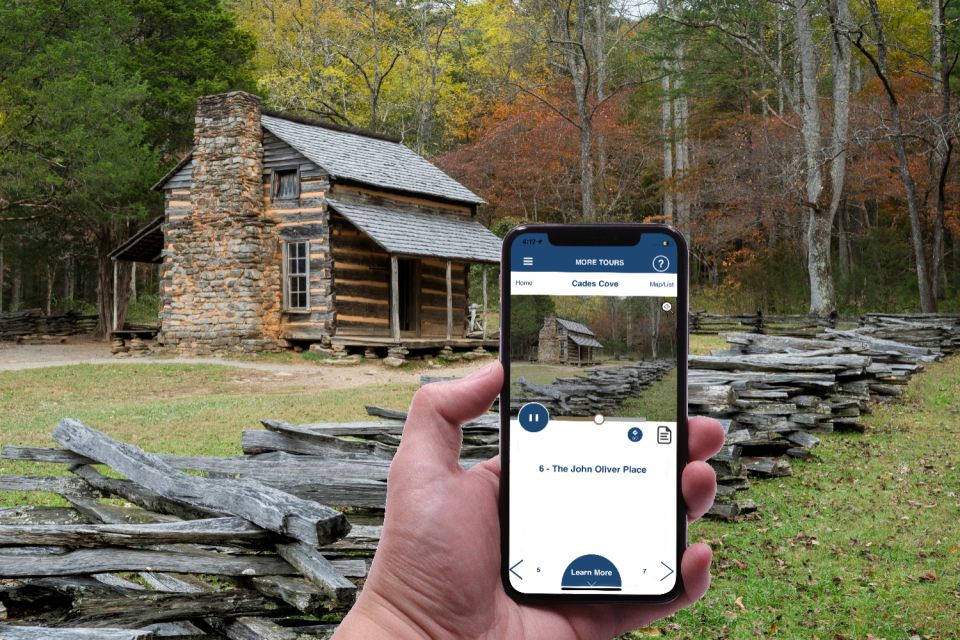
(275, 184)
(288, 276)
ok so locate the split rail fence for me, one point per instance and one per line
(31, 325)
(249, 547)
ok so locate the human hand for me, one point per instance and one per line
(436, 573)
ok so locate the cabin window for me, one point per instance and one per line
(296, 276)
(286, 184)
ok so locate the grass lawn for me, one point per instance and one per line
(703, 345)
(543, 373)
(182, 409)
(659, 400)
(656, 402)
(859, 543)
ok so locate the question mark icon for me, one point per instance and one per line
(661, 264)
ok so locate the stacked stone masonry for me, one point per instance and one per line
(221, 274)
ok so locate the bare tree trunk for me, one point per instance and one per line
(69, 277)
(16, 288)
(666, 128)
(779, 61)
(943, 150)
(928, 302)
(818, 231)
(51, 273)
(654, 327)
(586, 164)
(600, 66)
(375, 89)
(2, 272)
(682, 162)
(578, 65)
(840, 50)
(680, 135)
(843, 243)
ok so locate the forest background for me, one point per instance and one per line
(805, 147)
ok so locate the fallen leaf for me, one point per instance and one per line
(930, 576)
(739, 603)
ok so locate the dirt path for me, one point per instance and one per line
(15, 357)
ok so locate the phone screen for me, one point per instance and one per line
(593, 387)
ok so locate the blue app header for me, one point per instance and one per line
(654, 253)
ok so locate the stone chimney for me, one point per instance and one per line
(220, 279)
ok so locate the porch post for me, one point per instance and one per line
(394, 299)
(449, 300)
(115, 292)
(483, 269)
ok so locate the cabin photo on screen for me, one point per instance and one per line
(586, 355)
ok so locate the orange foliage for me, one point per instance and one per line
(526, 160)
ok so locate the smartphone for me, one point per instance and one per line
(593, 341)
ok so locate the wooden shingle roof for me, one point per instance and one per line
(369, 160)
(575, 327)
(404, 232)
(585, 341)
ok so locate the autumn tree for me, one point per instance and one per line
(526, 163)
(820, 198)
(872, 42)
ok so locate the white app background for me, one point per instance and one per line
(591, 520)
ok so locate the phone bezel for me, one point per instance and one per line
(586, 235)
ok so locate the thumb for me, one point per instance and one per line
(431, 434)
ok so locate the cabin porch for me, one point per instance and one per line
(144, 247)
(401, 280)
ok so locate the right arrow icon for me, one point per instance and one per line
(669, 570)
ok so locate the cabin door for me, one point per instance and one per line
(408, 279)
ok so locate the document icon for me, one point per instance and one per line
(664, 435)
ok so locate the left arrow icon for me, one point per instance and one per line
(514, 572)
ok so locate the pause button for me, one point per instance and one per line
(533, 417)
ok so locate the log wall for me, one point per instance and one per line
(433, 298)
(361, 281)
(305, 218)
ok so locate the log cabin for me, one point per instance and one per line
(564, 341)
(280, 231)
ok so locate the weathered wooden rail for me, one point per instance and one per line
(703, 323)
(789, 391)
(250, 548)
(32, 325)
